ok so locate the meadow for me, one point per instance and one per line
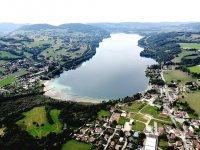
(75, 145)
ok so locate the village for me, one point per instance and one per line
(156, 121)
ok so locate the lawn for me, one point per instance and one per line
(7, 80)
(140, 117)
(138, 126)
(122, 120)
(134, 107)
(193, 99)
(36, 123)
(195, 69)
(75, 145)
(155, 113)
(190, 45)
(159, 123)
(103, 113)
(177, 75)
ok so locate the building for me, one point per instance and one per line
(150, 143)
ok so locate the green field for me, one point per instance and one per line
(75, 145)
(155, 113)
(138, 126)
(2, 69)
(183, 54)
(140, 117)
(194, 69)
(193, 99)
(190, 45)
(2, 62)
(163, 144)
(122, 120)
(20, 73)
(4, 54)
(36, 123)
(7, 80)
(103, 113)
(177, 75)
(134, 107)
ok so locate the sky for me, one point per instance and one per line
(88, 11)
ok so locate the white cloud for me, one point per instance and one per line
(65, 11)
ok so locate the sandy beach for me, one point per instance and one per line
(60, 94)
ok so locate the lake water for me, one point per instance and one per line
(116, 71)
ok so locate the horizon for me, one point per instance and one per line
(96, 11)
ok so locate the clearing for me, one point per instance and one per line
(103, 113)
(36, 123)
(190, 45)
(194, 69)
(75, 145)
(134, 107)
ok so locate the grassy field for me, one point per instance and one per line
(163, 144)
(20, 73)
(8, 80)
(190, 45)
(135, 107)
(138, 126)
(140, 117)
(122, 120)
(195, 69)
(2, 69)
(183, 54)
(2, 62)
(4, 54)
(103, 113)
(155, 113)
(36, 123)
(193, 99)
(177, 75)
(75, 145)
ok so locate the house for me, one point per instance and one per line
(115, 117)
(151, 143)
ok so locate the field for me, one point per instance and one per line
(194, 69)
(103, 113)
(20, 73)
(7, 80)
(4, 54)
(2, 62)
(177, 75)
(2, 69)
(75, 145)
(138, 126)
(193, 99)
(155, 113)
(135, 107)
(190, 45)
(140, 117)
(183, 54)
(163, 144)
(36, 123)
(122, 120)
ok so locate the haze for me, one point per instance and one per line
(87, 11)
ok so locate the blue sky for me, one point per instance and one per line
(86, 11)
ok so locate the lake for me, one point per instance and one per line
(116, 71)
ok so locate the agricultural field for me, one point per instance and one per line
(155, 113)
(193, 99)
(103, 113)
(7, 80)
(190, 45)
(174, 75)
(75, 145)
(36, 123)
(194, 69)
(183, 54)
(138, 126)
(134, 107)
(4, 54)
